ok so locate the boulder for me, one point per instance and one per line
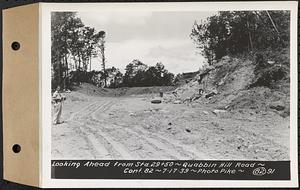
(156, 101)
(219, 111)
(211, 93)
(205, 112)
(271, 62)
(278, 105)
(132, 114)
(177, 102)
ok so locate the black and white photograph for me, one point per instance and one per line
(140, 94)
(167, 85)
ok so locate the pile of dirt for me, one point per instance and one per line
(153, 90)
(91, 90)
(225, 77)
(231, 84)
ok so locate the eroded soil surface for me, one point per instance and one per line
(130, 127)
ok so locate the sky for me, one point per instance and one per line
(150, 37)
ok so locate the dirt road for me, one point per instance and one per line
(133, 128)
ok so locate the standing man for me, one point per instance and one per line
(57, 99)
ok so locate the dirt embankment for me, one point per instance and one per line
(239, 83)
(91, 90)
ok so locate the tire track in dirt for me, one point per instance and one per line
(72, 115)
(150, 144)
(158, 143)
(75, 127)
(106, 145)
(118, 147)
(89, 139)
(155, 144)
(100, 149)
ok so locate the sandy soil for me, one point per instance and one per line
(132, 128)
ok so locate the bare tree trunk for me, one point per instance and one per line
(59, 71)
(67, 71)
(90, 63)
(273, 23)
(103, 65)
(79, 61)
(249, 33)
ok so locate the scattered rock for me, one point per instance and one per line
(285, 113)
(175, 93)
(177, 102)
(215, 124)
(155, 110)
(219, 111)
(194, 97)
(223, 80)
(278, 105)
(211, 94)
(205, 112)
(271, 62)
(132, 114)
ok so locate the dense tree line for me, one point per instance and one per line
(73, 47)
(139, 74)
(234, 32)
